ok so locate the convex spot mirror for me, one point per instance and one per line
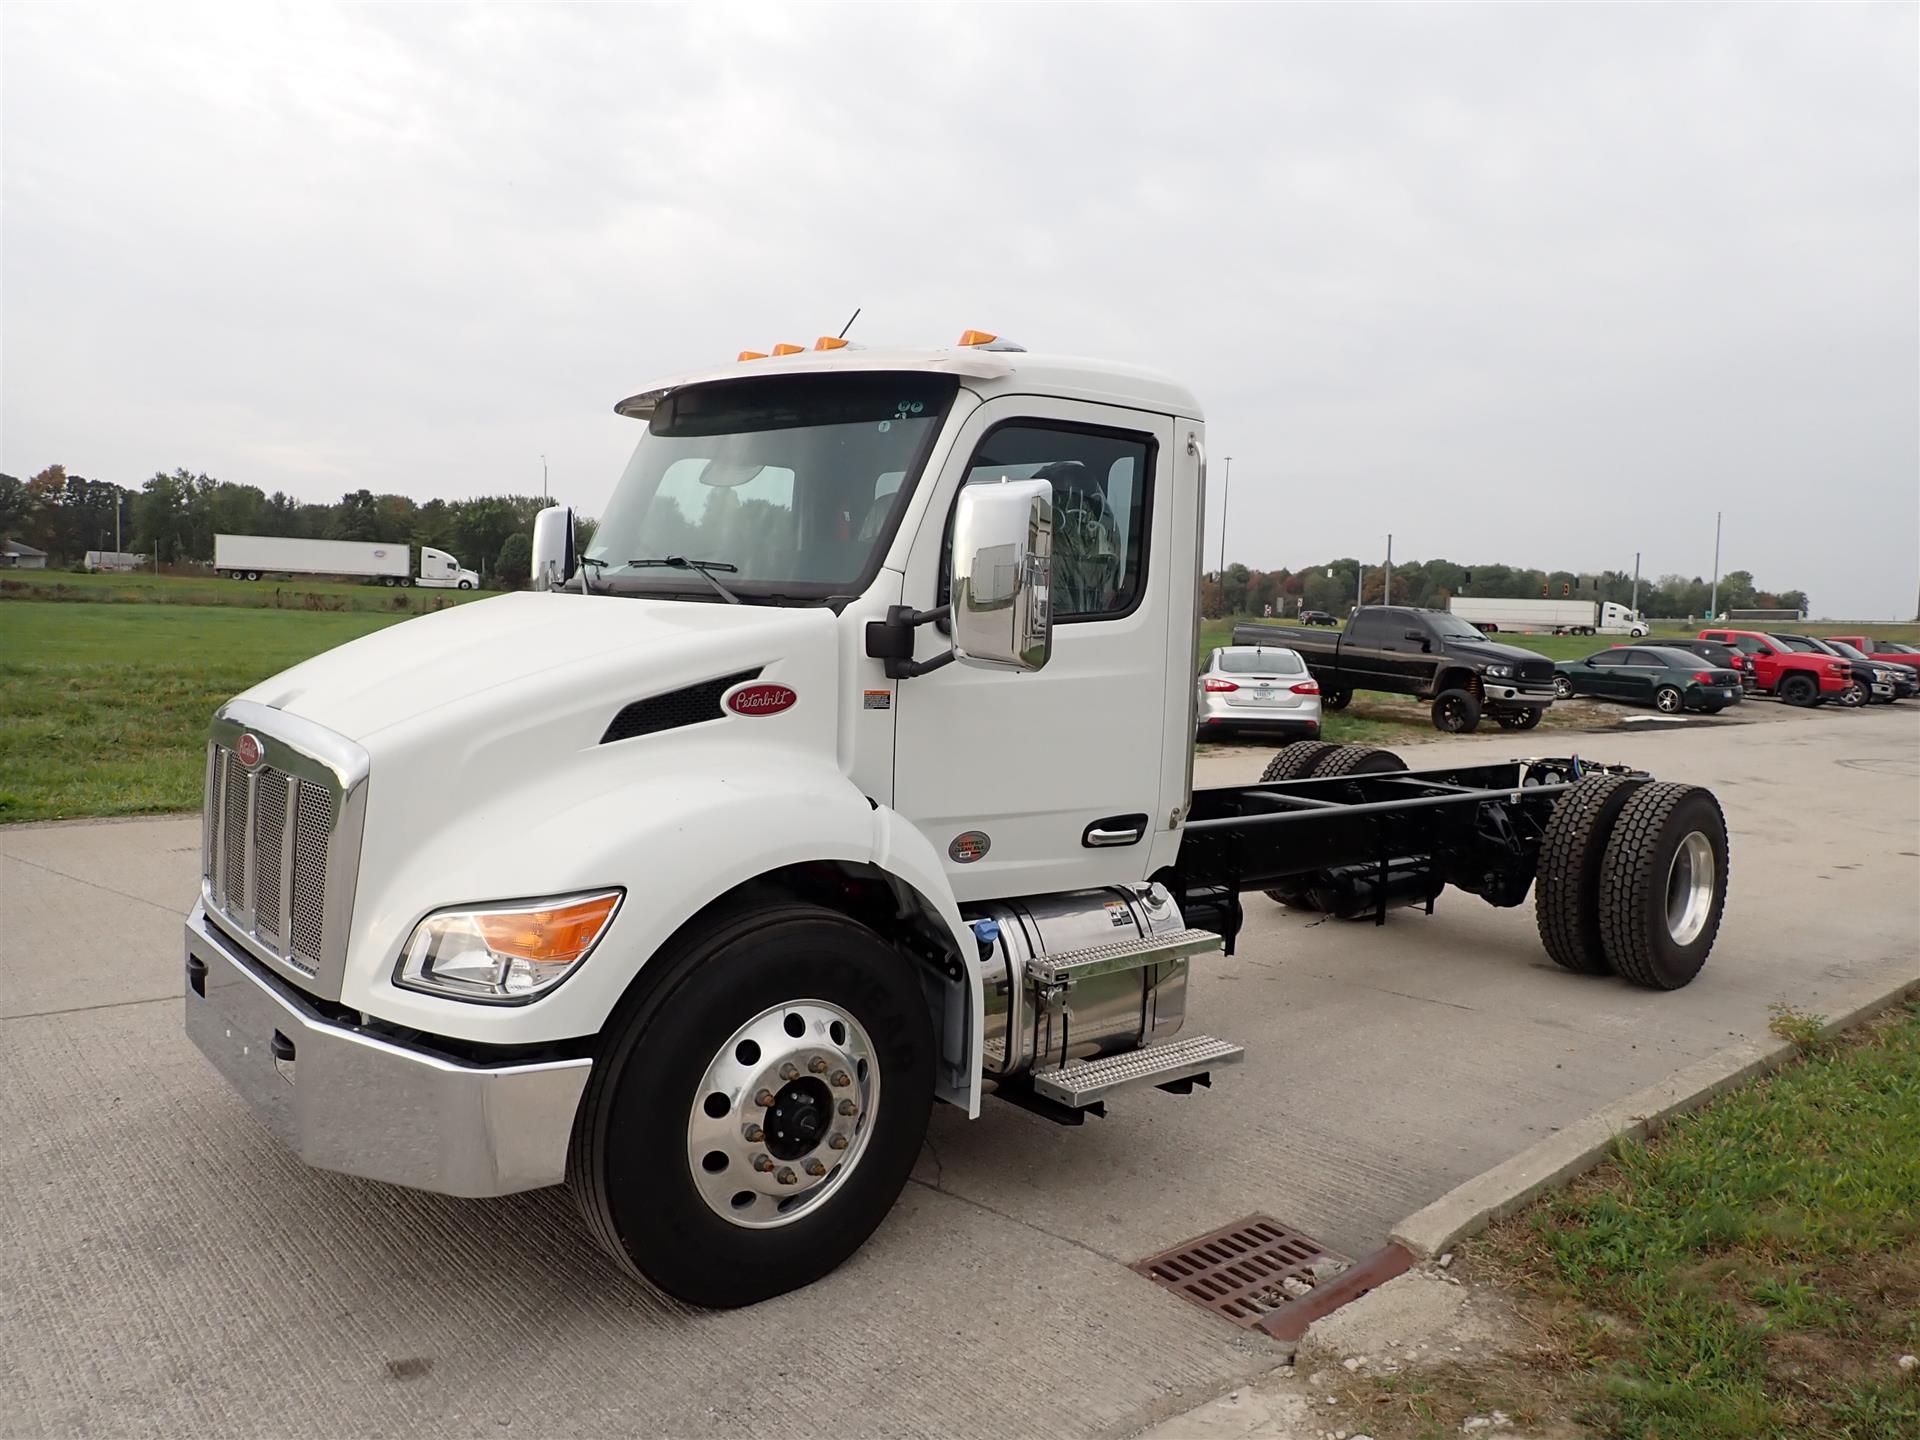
(1002, 568)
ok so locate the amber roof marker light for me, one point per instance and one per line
(987, 340)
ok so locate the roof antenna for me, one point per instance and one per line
(849, 325)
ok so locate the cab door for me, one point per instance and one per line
(1058, 778)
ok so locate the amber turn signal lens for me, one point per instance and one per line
(751, 355)
(977, 337)
(789, 349)
(556, 936)
(830, 342)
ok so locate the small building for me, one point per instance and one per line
(16, 556)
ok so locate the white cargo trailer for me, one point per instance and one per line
(249, 557)
(1553, 617)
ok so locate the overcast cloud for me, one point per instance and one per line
(1545, 285)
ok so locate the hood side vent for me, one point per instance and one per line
(690, 705)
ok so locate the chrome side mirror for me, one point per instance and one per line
(1002, 568)
(554, 559)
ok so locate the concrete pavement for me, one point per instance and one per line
(170, 1269)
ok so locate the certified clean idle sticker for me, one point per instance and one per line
(969, 846)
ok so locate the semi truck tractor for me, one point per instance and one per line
(846, 772)
(252, 557)
(1551, 617)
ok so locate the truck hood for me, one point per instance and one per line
(623, 648)
(1492, 652)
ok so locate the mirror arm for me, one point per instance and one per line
(891, 640)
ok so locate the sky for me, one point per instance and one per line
(1544, 285)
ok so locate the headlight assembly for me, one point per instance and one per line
(504, 954)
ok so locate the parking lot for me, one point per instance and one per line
(171, 1270)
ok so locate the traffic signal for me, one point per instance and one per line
(1565, 589)
(1543, 589)
(1466, 579)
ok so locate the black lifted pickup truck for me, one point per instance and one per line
(1429, 653)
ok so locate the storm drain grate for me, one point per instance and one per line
(1243, 1270)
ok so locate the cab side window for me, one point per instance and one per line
(1611, 657)
(1369, 628)
(1102, 482)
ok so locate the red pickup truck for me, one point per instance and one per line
(1795, 678)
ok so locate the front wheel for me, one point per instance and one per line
(1335, 699)
(1455, 712)
(1668, 700)
(466, 584)
(1562, 688)
(757, 1113)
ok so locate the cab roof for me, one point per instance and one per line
(986, 372)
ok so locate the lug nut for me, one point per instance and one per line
(818, 1065)
(789, 1071)
(815, 1168)
(836, 1142)
(786, 1176)
(752, 1134)
(763, 1098)
(847, 1107)
(763, 1163)
(841, 1079)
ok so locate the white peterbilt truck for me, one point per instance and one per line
(849, 770)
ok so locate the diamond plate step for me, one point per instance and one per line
(1081, 1085)
(1063, 967)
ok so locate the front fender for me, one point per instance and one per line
(683, 840)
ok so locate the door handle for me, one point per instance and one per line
(1114, 830)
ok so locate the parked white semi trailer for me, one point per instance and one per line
(1552, 617)
(850, 769)
(250, 557)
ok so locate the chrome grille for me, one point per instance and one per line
(312, 827)
(281, 842)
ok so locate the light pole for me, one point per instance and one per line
(1713, 596)
(1386, 590)
(544, 494)
(1226, 489)
(1636, 582)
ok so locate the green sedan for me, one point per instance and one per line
(1668, 680)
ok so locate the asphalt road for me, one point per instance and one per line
(168, 1270)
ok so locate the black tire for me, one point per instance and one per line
(466, 584)
(1456, 712)
(628, 1167)
(1334, 698)
(1562, 687)
(1358, 760)
(1856, 696)
(253, 575)
(1645, 882)
(1669, 700)
(1566, 895)
(1525, 719)
(1799, 691)
(1296, 761)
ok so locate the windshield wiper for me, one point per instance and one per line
(700, 568)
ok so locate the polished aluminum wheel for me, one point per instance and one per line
(1690, 886)
(783, 1113)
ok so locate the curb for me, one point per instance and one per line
(1495, 1194)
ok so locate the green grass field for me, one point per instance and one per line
(1751, 1274)
(104, 708)
(304, 595)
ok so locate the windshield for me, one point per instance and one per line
(1452, 627)
(1841, 647)
(1801, 644)
(790, 485)
(1260, 662)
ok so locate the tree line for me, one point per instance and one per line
(1337, 585)
(173, 517)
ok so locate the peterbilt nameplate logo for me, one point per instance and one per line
(247, 750)
(761, 700)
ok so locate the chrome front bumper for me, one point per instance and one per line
(1509, 693)
(348, 1101)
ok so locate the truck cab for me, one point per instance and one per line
(439, 570)
(846, 770)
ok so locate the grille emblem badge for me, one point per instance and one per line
(247, 751)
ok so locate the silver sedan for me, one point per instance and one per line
(1252, 687)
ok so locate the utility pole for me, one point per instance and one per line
(116, 524)
(544, 495)
(1360, 584)
(1226, 489)
(1636, 582)
(1386, 592)
(1713, 596)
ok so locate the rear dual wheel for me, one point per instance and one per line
(1321, 761)
(1633, 879)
